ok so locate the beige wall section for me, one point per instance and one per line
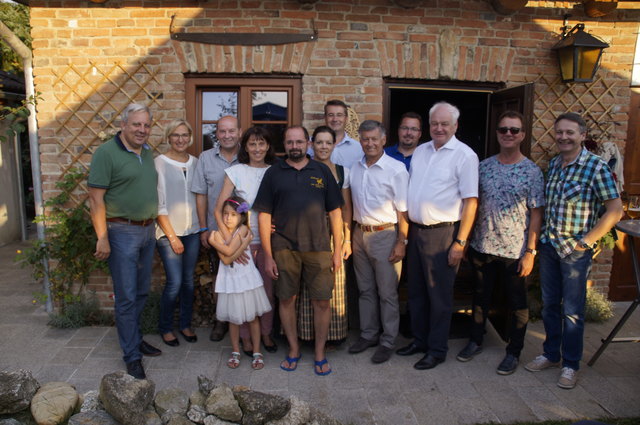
(10, 208)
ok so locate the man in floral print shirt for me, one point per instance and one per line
(579, 186)
(503, 245)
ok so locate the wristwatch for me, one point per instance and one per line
(584, 245)
(531, 251)
(462, 242)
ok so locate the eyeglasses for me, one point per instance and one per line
(181, 136)
(339, 115)
(405, 128)
(513, 130)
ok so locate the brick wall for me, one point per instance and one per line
(360, 43)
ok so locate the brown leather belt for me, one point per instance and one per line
(434, 226)
(133, 222)
(375, 228)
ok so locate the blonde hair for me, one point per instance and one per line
(175, 124)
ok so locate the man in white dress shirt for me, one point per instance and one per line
(443, 196)
(379, 192)
(347, 150)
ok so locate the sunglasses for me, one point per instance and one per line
(504, 130)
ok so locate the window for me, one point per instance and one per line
(274, 103)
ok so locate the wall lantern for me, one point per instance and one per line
(579, 54)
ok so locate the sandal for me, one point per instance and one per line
(234, 360)
(318, 367)
(292, 361)
(258, 361)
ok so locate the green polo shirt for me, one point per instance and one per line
(130, 179)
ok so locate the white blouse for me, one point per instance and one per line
(174, 197)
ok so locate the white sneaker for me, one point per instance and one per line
(568, 378)
(540, 363)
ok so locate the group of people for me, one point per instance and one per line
(284, 228)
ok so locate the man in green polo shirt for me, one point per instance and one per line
(124, 204)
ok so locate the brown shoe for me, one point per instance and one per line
(219, 330)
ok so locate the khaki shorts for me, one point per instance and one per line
(313, 269)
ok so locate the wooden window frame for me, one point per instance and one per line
(196, 84)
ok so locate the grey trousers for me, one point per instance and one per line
(378, 284)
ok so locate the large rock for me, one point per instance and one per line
(16, 390)
(171, 401)
(298, 414)
(54, 403)
(196, 414)
(125, 397)
(179, 420)
(213, 420)
(92, 417)
(259, 408)
(10, 421)
(205, 385)
(91, 402)
(197, 399)
(223, 404)
(151, 417)
(317, 417)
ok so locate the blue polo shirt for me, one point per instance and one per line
(393, 152)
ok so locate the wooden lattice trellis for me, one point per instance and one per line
(594, 101)
(89, 102)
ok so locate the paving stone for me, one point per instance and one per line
(504, 401)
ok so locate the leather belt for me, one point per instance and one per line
(375, 228)
(132, 222)
(434, 226)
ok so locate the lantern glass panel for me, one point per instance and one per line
(587, 61)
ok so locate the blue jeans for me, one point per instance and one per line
(564, 293)
(130, 265)
(179, 270)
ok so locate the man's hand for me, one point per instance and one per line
(103, 249)
(525, 265)
(397, 253)
(271, 267)
(456, 252)
(346, 250)
(336, 259)
(204, 239)
(177, 246)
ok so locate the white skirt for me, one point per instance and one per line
(242, 307)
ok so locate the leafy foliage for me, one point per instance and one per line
(69, 245)
(16, 117)
(83, 311)
(151, 313)
(16, 17)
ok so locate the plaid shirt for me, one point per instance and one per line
(574, 195)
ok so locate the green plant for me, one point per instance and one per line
(83, 311)
(16, 116)
(151, 313)
(598, 308)
(68, 246)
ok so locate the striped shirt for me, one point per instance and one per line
(574, 196)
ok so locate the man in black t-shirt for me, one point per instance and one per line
(298, 193)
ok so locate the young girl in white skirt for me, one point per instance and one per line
(241, 294)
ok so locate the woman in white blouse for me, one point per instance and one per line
(255, 156)
(177, 232)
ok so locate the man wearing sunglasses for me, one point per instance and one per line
(504, 240)
(582, 205)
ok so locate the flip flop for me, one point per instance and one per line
(290, 360)
(318, 365)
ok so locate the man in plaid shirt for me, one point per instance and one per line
(579, 186)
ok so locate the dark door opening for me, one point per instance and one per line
(480, 105)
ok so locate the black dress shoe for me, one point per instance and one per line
(136, 370)
(362, 344)
(409, 350)
(148, 349)
(218, 331)
(428, 362)
(270, 348)
(189, 338)
(170, 342)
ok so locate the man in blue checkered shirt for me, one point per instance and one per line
(579, 187)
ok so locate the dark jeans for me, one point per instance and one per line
(430, 284)
(130, 265)
(488, 270)
(564, 294)
(179, 270)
